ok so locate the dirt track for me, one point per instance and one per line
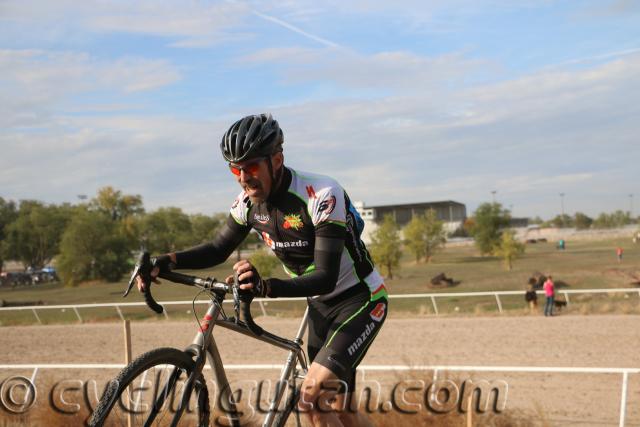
(566, 341)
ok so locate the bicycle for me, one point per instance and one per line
(176, 373)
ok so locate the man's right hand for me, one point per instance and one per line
(162, 263)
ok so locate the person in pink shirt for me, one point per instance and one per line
(549, 291)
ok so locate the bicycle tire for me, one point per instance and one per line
(290, 406)
(178, 365)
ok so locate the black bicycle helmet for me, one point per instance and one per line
(251, 137)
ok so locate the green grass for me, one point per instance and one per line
(583, 265)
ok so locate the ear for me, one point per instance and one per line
(277, 160)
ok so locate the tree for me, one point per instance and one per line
(385, 245)
(93, 247)
(488, 220)
(509, 248)
(115, 204)
(562, 221)
(125, 209)
(414, 237)
(8, 214)
(582, 221)
(614, 220)
(264, 262)
(204, 227)
(424, 235)
(166, 230)
(34, 236)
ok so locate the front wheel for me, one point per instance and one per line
(149, 390)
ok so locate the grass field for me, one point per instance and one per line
(583, 265)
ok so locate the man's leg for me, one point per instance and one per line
(350, 418)
(317, 396)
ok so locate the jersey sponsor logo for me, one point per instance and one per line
(311, 192)
(294, 244)
(235, 204)
(262, 218)
(361, 339)
(292, 221)
(267, 240)
(378, 312)
(327, 206)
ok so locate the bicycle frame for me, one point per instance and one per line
(204, 340)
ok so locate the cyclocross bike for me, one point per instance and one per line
(166, 385)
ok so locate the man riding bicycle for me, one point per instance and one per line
(312, 227)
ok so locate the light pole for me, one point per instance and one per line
(493, 195)
(631, 205)
(562, 204)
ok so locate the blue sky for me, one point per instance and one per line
(405, 101)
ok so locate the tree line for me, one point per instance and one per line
(581, 221)
(96, 240)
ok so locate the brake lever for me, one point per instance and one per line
(135, 273)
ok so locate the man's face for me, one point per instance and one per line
(254, 177)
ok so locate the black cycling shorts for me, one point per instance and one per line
(342, 329)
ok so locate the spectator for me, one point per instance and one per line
(531, 298)
(619, 253)
(549, 291)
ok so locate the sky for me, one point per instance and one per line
(402, 102)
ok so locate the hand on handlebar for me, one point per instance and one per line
(161, 264)
(251, 284)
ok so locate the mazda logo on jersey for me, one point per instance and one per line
(266, 238)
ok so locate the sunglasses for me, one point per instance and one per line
(250, 168)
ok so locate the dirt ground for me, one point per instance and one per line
(545, 399)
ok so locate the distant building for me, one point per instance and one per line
(452, 213)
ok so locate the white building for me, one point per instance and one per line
(452, 213)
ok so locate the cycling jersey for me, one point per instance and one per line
(304, 207)
(302, 222)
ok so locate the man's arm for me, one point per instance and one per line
(329, 244)
(216, 251)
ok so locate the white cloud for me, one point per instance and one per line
(33, 82)
(189, 23)
(393, 70)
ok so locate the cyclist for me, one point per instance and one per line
(312, 227)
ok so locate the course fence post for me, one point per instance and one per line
(433, 302)
(120, 313)
(566, 297)
(35, 313)
(77, 314)
(499, 303)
